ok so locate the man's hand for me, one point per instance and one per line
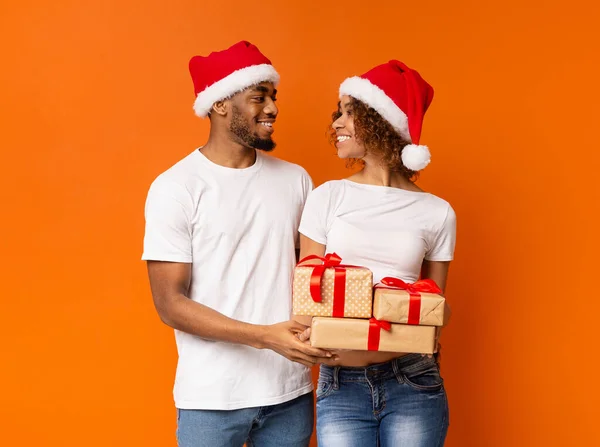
(283, 339)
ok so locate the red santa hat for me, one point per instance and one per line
(401, 96)
(222, 74)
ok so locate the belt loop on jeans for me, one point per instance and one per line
(397, 371)
(336, 377)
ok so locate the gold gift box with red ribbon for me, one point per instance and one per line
(419, 303)
(372, 335)
(332, 289)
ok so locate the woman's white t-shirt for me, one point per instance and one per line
(388, 230)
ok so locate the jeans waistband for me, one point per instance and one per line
(406, 364)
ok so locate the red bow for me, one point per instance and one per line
(331, 260)
(415, 290)
(375, 327)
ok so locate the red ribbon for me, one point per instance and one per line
(415, 290)
(331, 260)
(375, 327)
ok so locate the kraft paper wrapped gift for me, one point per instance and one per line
(419, 303)
(332, 289)
(372, 335)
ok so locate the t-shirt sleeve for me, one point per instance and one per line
(168, 230)
(307, 187)
(314, 218)
(442, 246)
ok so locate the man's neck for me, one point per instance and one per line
(222, 151)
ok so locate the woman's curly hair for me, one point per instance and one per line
(377, 136)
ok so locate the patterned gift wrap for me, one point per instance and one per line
(332, 289)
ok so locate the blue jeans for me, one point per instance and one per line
(289, 424)
(398, 403)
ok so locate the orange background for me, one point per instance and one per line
(96, 101)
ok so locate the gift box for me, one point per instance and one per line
(372, 335)
(419, 303)
(331, 289)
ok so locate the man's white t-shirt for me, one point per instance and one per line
(238, 229)
(388, 230)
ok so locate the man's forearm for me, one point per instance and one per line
(194, 318)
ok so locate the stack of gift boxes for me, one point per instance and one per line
(350, 312)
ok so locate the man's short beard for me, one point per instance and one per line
(239, 127)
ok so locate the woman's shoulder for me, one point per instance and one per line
(437, 201)
(329, 188)
(328, 195)
(439, 207)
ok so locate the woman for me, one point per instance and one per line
(379, 219)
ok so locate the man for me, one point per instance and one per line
(221, 225)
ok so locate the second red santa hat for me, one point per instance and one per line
(401, 96)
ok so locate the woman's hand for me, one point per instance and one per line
(305, 335)
(331, 361)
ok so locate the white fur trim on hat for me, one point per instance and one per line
(231, 84)
(367, 92)
(415, 157)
